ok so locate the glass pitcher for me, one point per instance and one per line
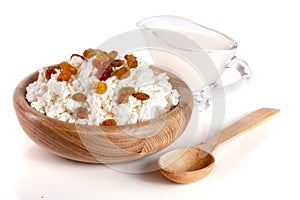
(199, 55)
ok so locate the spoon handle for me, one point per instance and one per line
(245, 124)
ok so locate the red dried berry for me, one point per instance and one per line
(103, 75)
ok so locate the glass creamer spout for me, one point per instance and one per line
(205, 39)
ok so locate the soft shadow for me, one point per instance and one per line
(40, 155)
(41, 158)
(154, 177)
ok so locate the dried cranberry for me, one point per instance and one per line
(103, 75)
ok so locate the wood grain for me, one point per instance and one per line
(249, 122)
(103, 144)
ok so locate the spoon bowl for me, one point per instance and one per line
(186, 165)
(191, 164)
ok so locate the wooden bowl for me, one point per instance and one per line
(103, 144)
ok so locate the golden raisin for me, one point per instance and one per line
(131, 61)
(49, 72)
(64, 76)
(100, 87)
(122, 73)
(89, 53)
(67, 70)
(109, 122)
(141, 96)
(79, 97)
(81, 112)
(124, 93)
(65, 66)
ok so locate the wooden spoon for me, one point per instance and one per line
(191, 164)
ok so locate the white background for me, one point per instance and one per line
(262, 164)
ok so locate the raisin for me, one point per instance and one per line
(124, 93)
(109, 68)
(79, 97)
(89, 53)
(112, 55)
(131, 61)
(49, 72)
(100, 87)
(81, 112)
(117, 63)
(101, 55)
(141, 96)
(122, 73)
(103, 75)
(76, 55)
(109, 122)
(98, 64)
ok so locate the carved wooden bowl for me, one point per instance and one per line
(104, 144)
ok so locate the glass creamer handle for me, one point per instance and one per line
(203, 97)
(244, 71)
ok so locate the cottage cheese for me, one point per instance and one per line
(54, 98)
